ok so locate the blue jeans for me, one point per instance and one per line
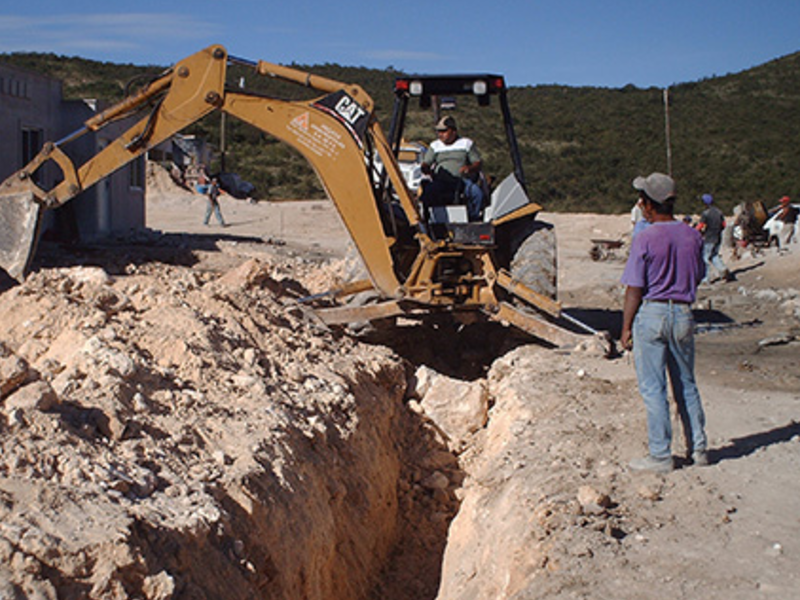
(213, 207)
(711, 257)
(474, 195)
(443, 192)
(663, 342)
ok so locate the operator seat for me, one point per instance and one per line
(445, 190)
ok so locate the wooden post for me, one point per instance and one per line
(222, 148)
(667, 132)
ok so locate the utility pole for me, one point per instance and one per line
(667, 132)
(222, 148)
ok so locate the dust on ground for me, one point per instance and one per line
(176, 425)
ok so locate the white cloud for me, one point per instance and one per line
(115, 35)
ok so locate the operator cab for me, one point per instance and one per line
(437, 96)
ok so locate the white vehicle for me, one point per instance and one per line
(774, 225)
(409, 159)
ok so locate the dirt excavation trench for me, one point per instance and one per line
(174, 425)
(174, 430)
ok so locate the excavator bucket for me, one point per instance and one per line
(19, 224)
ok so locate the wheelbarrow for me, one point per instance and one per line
(604, 249)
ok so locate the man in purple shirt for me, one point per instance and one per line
(661, 277)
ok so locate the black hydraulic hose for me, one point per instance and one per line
(83, 130)
(245, 62)
(148, 79)
(141, 139)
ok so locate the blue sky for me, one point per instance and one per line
(609, 43)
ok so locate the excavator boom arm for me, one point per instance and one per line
(333, 132)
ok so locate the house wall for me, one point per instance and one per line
(28, 102)
(116, 204)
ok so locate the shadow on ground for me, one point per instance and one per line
(167, 248)
(603, 319)
(463, 352)
(744, 446)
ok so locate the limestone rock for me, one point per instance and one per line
(421, 381)
(93, 276)
(160, 586)
(591, 499)
(14, 371)
(458, 408)
(38, 395)
(251, 274)
(116, 360)
(436, 481)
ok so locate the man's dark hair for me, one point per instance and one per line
(662, 208)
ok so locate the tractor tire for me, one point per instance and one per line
(533, 261)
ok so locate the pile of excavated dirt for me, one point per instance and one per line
(175, 424)
(169, 434)
(175, 430)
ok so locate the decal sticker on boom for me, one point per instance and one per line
(349, 112)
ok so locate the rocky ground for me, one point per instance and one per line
(175, 425)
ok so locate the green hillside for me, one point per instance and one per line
(733, 136)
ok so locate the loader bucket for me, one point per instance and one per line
(19, 222)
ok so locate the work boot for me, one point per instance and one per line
(700, 458)
(652, 464)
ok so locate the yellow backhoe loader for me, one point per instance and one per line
(414, 266)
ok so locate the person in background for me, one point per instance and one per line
(201, 187)
(636, 213)
(661, 276)
(711, 225)
(787, 214)
(213, 203)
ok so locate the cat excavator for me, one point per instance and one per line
(414, 267)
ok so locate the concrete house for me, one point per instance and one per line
(33, 111)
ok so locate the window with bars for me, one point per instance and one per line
(32, 141)
(136, 173)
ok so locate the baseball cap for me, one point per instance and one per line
(708, 198)
(657, 186)
(446, 123)
(785, 200)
